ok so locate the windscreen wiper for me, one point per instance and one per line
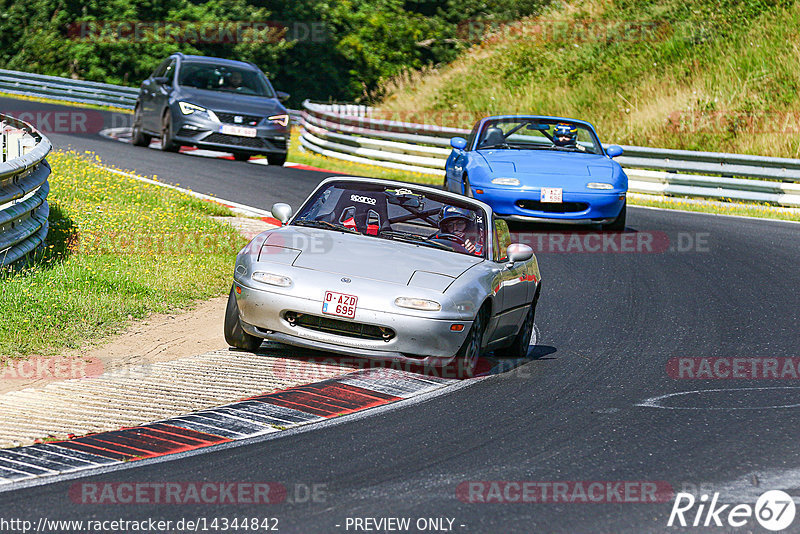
(412, 238)
(326, 225)
(496, 145)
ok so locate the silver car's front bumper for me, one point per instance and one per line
(418, 339)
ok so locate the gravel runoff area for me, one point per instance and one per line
(164, 366)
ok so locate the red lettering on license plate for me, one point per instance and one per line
(339, 304)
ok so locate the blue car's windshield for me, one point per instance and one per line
(224, 78)
(533, 133)
(397, 213)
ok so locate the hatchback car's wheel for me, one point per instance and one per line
(276, 159)
(235, 336)
(167, 143)
(470, 352)
(519, 347)
(138, 137)
(618, 224)
(241, 156)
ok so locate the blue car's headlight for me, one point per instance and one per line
(505, 181)
(189, 109)
(599, 185)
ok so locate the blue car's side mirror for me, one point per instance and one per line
(613, 151)
(459, 143)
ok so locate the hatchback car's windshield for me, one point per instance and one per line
(225, 78)
(399, 214)
(535, 133)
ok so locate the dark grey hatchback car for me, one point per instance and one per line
(212, 103)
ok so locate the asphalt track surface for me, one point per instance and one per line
(609, 324)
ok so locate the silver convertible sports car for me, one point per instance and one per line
(386, 270)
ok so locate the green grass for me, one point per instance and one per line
(117, 249)
(706, 75)
(306, 157)
(761, 211)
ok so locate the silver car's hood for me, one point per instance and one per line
(368, 257)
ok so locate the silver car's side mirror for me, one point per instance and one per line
(282, 212)
(518, 252)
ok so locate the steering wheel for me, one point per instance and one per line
(451, 237)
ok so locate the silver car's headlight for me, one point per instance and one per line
(505, 181)
(272, 279)
(417, 304)
(599, 185)
(188, 109)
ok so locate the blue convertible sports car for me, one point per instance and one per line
(534, 168)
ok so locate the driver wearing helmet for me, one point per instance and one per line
(566, 135)
(454, 225)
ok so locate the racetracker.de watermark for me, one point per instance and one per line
(630, 242)
(50, 368)
(212, 493)
(198, 32)
(733, 121)
(566, 31)
(571, 491)
(68, 121)
(731, 368)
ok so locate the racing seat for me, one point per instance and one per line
(367, 222)
(361, 214)
(494, 136)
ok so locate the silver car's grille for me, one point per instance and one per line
(339, 327)
(245, 120)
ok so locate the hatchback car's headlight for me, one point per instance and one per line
(505, 181)
(188, 109)
(272, 279)
(418, 304)
(283, 120)
(599, 185)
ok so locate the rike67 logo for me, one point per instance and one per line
(774, 510)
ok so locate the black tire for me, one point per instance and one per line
(138, 137)
(618, 224)
(241, 156)
(235, 336)
(167, 143)
(470, 352)
(467, 192)
(519, 347)
(276, 159)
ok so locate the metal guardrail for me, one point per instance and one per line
(80, 91)
(83, 92)
(333, 131)
(23, 191)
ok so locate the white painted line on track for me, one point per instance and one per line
(655, 402)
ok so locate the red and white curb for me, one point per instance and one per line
(251, 417)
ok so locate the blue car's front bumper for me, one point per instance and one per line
(577, 207)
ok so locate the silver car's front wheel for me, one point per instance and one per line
(235, 336)
(470, 352)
